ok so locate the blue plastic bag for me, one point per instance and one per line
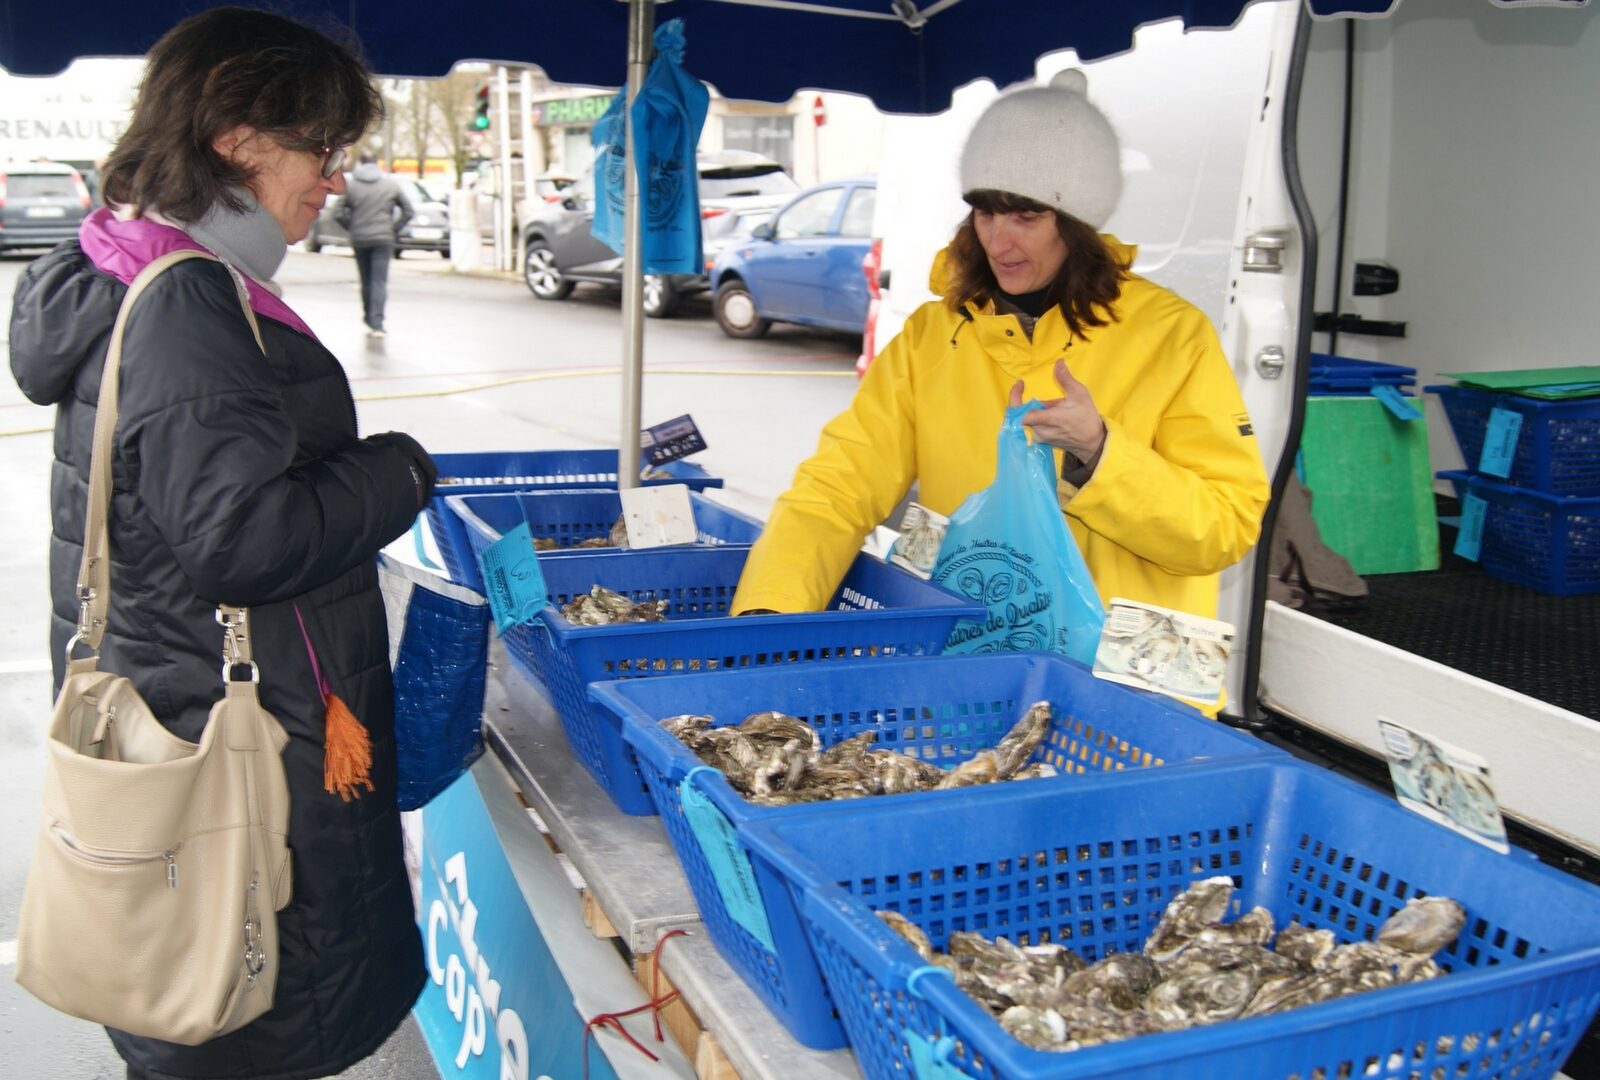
(667, 117)
(439, 649)
(1009, 549)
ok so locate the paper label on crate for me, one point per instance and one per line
(512, 579)
(1469, 538)
(730, 864)
(658, 516)
(931, 1060)
(921, 535)
(1397, 403)
(1171, 652)
(670, 440)
(1443, 783)
(1499, 442)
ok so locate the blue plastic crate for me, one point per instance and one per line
(942, 709)
(1092, 865)
(879, 611)
(1558, 447)
(1343, 375)
(568, 516)
(525, 470)
(1546, 542)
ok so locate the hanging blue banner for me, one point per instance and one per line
(496, 1006)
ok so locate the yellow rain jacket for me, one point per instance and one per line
(1177, 496)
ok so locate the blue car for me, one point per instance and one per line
(802, 266)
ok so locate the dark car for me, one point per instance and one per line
(802, 266)
(428, 229)
(41, 203)
(561, 251)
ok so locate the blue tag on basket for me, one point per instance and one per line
(1396, 402)
(1469, 540)
(931, 1060)
(512, 578)
(730, 865)
(1500, 442)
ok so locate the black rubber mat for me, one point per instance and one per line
(1540, 645)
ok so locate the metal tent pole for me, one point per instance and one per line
(641, 29)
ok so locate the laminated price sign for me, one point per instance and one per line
(671, 440)
(1443, 783)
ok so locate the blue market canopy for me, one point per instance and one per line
(906, 55)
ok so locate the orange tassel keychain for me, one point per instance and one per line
(346, 747)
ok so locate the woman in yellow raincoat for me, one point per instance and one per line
(1163, 484)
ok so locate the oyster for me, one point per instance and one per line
(1018, 745)
(981, 768)
(910, 931)
(1190, 912)
(686, 727)
(1305, 946)
(1424, 926)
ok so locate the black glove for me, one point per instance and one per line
(424, 473)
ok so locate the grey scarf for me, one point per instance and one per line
(251, 240)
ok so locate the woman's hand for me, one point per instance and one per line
(1070, 421)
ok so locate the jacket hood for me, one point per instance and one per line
(367, 172)
(939, 275)
(62, 310)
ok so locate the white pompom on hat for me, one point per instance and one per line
(1048, 144)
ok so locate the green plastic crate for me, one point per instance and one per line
(1371, 484)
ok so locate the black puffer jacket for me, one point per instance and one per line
(240, 478)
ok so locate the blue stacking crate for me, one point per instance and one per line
(879, 611)
(1091, 865)
(942, 709)
(1547, 542)
(1558, 446)
(526, 470)
(569, 516)
(1342, 376)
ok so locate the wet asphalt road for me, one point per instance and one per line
(470, 363)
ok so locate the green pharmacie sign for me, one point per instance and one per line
(565, 111)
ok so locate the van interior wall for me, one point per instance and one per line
(1474, 141)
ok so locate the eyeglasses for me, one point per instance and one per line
(333, 158)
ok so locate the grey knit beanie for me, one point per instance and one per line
(1048, 144)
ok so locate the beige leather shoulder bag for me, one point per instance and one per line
(151, 902)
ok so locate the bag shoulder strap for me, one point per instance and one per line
(94, 572)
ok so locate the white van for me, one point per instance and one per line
(1472, 142)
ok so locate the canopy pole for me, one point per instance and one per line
(641, 30)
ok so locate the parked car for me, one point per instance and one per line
(560, 251)
(428, 229)
(802, 266)
(41, 203)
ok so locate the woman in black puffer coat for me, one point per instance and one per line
(240, 478)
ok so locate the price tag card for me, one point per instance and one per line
(669, 441)
(1500, 442)
(658, 516)
(1171, 652)
(921, 535)
(512, 578)
(730, 865)
(1402, 407)
(1469, 539)
(1443, 783)
(931, 1060)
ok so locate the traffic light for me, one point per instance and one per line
(480, 119)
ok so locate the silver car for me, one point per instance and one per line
(41, 203)
(428, 229)
(561, 252)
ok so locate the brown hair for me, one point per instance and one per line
(215, 71)
(1089, 282)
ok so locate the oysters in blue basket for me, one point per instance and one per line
(1195, 969)
(601, 606)
(774, 759)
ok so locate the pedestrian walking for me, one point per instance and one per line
(373, 212)
(239, 478)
